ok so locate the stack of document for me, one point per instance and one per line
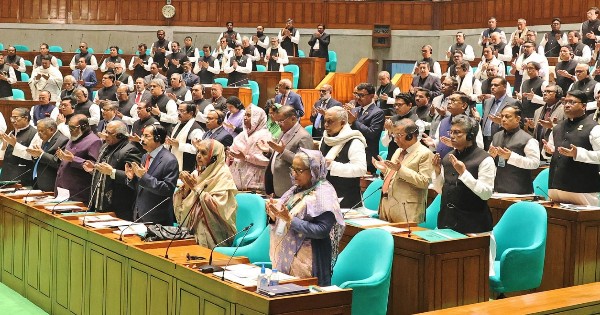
(578, 207)
(134, 229)
(247, 275)
(103, 221)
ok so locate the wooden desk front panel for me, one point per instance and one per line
(312, 71)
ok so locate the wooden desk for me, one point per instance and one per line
(312, 71)
(267, 81)
(430, 276)
(65, 268)
(583, 299)
(572, 245)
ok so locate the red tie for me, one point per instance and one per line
(148, 158)
(138, 97)
(283, 99)
(388, 179)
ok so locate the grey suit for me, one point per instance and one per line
(540, 132)
(317, 131)
(487, 110)
(277, 176)
(47, 167)
(433, 84)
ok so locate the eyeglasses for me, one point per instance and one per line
(398, 135)
(15, 118)
(548, 92)
(570, 102)
(455, 132)
(73, 128)
(281, 122)
(397, 105)
(323, 91)
(297, 171)
(359, 95)
(579, 71)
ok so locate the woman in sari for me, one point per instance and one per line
(249, 163)
(308, 222)
(234, 119)
(209, 194)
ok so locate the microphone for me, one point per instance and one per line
(91, 199)
(210, 268)
(181, 224)
(234, 251)
(406, 216)
(138, 219)
(367, 197)
(543, 192)
(15, 178)
(79, 192)
(36, 179)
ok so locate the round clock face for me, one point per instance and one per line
(168, 11)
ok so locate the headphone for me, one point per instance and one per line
(473, 129)
(121, 136)
(220, 117)
(559, 92)
(159, 134)
(410, 134)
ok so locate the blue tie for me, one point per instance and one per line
(35, 167)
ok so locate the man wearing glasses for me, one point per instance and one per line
(424, 79)
(531, 90)
(545, 117)
(16, 62)
(519, 66)
(368, 119)
(587, 85)
(574, 145)
(84, 145)
(318, 110)
(17, 161)
(465, 178)
(90, 60)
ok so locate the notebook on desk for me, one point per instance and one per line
(283, 289)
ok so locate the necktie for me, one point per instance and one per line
(207, 135)
(388, 179)
(80, 74)
(35, 168)
(283, 99)
(147, 165)
(138, 98)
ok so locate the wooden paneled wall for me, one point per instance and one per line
(401, 15)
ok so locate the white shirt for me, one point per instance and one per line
(146, 66)
(436, 71)
(215, 68)
(93, 63)
(241, 69)
(104, 67)
(468, 55)
(531, 160)
(521, 62)
(583, 155)
(357, 165)
(483, 186)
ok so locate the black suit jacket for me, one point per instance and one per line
(154, 187)
(48, 162)
(221, 135)
(317, 131)
(323, 51)
(190, 80)
(433, 84)
(370, 124)
(115, 194)
(102, 123)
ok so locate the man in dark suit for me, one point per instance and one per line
(319, 43)
(46, 163)
(109, 113)
(108, 174)
(215, 130)
(288, 97)
(188, 76)
(317, 114)
(84, 75)
(425, 80)
(140, 93)
(367, 118)
(155, 179)
(492, 107)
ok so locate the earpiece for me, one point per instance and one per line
(410, 134)
(474, 128)
(121, 136)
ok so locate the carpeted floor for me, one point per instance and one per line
(13, 303)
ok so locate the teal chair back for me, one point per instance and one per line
(255, 91)
(309, 128)
(479, 107)
(24, 77)
(55, 49)
(251, 209)
(301, 53)
(257, 251)
(383, 155)
(18, 94)
(59, 62)
(94, 93)
(365, 266)
(90, 50)
(222, 81)
(295, 70)
(431, 214)
(520, 248)
(107, 51)
(261, 68)
(540, 183)
(28, 63)
(149, 51)
(331, 65)
(381, 146)
(1, 46)
(372, 202)
(21, 48)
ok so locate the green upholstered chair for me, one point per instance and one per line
(309, 128)
(107, 51)
(55, 49)
(520, 248)
(24, 77)
(28, 63)
(331, 65)
(261, 68)
(479, 107)
(301, 53)
(372, 195)
(59, 62)
(18, 94)
(540, 183)
(251, 209)
(255, 91)
(365, 266)
(149, 51)
(431, 214)
(295, 70)
(222, 81)
(257, 251)
(21, 48)
(1, 46)
(90, 50)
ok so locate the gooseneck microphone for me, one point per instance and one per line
(79, 192)
(142, 216)
(406, 216)
(91, 200)
(365, 198)
(181, 224)
(15, 178)
(234, 251)
(543, 192)
(210, 268)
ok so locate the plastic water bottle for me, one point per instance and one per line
(280, 228)
(274, 278)
(262, 281)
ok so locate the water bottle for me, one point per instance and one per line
(280, 227)
(274, 278)
(262, 281)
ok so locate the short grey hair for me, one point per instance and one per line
(466, 123)
(121, 127)
(287, 82)
(339, 113)
(47, 123)
(159, 82)
(304, 157)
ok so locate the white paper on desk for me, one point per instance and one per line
(578, 207)
(24, 192)
(135, 229)
(392, 229)
(62, 207)
(107, 224)
(506, 195)
(98, 218)
(4, 190)
(330, 288)
(247, 275)
(62, 194)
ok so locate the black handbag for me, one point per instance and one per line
(159, 232)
